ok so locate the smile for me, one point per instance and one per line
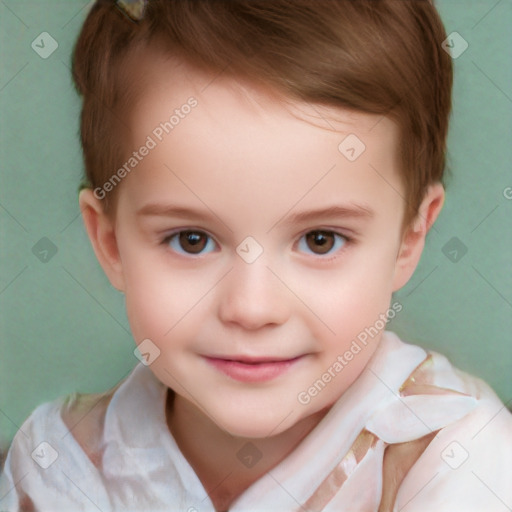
(252, 369)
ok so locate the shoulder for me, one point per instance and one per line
(76, 417)
(31, 452)
(467, 466)
(40, 426)
(58, 443)
(468, 463)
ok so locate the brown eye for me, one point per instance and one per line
(320, 242)
(192, 241)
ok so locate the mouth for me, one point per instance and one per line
(252, 369)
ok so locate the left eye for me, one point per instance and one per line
(190, 242)
(321, 242)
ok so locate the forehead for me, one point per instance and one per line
(256, 143)
(166, 83)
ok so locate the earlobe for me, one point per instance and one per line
(101, 231)
(413, 240)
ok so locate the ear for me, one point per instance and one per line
(413, 240)
(101, 231)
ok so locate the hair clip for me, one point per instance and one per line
(134, 9)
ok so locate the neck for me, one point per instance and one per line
(225, 464)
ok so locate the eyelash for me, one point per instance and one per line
(348, 240)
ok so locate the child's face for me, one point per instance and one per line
(240, 165)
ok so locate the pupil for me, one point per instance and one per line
(193, 238)
(320, 242)
(320, 239)
(192, 242)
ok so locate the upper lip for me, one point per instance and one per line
(251, 359)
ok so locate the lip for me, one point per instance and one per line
(250, 369)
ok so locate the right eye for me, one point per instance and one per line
(190, 242)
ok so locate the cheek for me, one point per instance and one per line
(352, 296)
(147, 311)
(160, 299)
(149, 293)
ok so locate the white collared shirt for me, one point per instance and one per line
(466, 467)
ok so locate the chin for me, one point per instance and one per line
(249, 430)
(253, 425)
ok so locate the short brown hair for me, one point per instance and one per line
(376, 56)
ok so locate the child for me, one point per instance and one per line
(261, 177)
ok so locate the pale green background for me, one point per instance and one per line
(63, 327)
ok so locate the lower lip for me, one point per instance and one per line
(258, 372)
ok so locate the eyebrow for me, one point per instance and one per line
(357, 211)
(166, 210)
(351, 210)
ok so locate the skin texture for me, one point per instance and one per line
(245, 161)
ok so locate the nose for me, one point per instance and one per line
(252, 297)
